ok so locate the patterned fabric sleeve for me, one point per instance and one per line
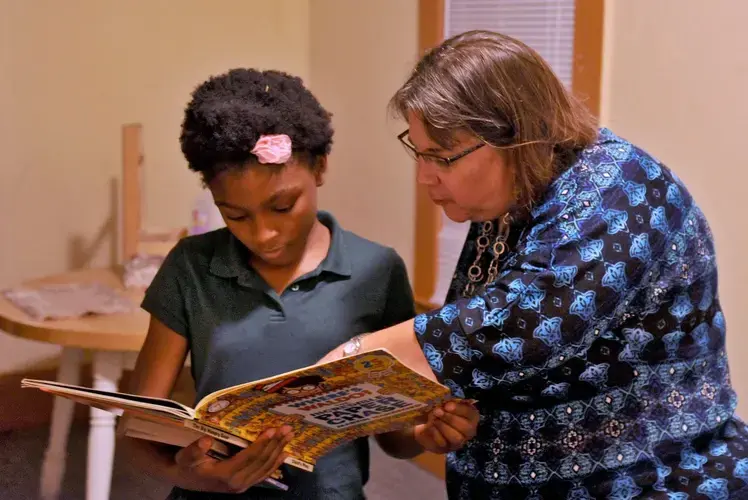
(593, 236)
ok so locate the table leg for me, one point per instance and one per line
(107, 370)
(53, 466)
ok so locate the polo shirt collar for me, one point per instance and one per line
(337, 260)
(231, 258)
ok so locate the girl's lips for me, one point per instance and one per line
(272, 252)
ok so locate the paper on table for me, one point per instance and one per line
(68, 300)
(140, 270)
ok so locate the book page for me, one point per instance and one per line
(327, 405)
(167, 431)
(114, 402)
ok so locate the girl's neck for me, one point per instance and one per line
(315, 251)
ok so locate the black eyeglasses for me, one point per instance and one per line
(439, 160)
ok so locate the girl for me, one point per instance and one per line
(275, 290)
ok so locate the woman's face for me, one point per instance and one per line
(271, 209)
(476, 187)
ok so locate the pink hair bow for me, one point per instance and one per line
(275, 149)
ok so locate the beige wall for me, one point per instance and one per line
(71, 73)
(361, 52)
(675, 82)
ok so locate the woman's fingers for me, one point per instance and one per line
(463, 426)
(462, 417)
(436, 436)
(452, 436)
(462, 409)
(448, 427)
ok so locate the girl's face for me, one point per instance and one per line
(271, 209)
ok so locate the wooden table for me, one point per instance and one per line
(114, 341)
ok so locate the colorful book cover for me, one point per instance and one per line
(327, 405)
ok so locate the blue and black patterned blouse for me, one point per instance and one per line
(598, 354)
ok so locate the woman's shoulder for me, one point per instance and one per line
(613, 167)
(621, 159)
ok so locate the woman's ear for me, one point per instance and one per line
(320, 170)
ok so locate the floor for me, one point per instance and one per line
(21, 454)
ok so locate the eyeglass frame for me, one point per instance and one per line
(448, 160)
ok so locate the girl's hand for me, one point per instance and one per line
(238, 473)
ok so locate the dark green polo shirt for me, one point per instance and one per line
(239, 329)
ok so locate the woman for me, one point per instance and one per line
(583, 315)
(272, 292)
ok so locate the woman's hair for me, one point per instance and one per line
(503, 92)
(228, 113)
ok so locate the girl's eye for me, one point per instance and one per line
(238, 218)
(284, 208)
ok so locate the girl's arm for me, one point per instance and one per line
(159, 363)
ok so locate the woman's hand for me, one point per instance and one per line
(448, 428)
(237, 474)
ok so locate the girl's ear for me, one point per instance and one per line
(320, 170)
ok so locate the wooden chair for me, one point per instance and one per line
(136, 240)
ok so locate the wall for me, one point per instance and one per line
(74, 72)
(71, 73)
(675, 77)
(361, 52)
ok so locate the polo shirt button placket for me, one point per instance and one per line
(295, 288)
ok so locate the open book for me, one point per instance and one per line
(327, 405)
